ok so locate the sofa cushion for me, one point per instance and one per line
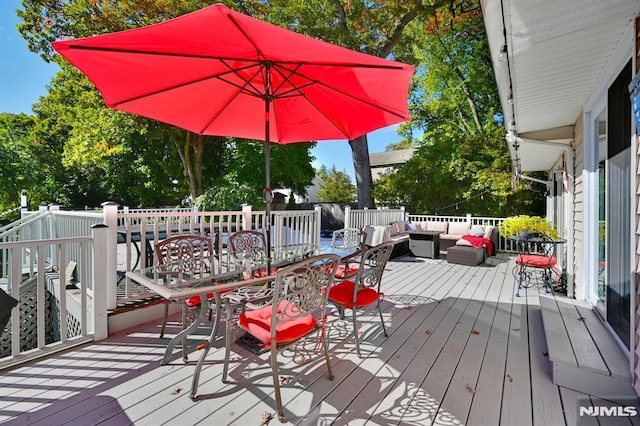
(397, 228)
(451, 236)
(437, 226)
(424, 225)
(488, 230)
(459, 228)
(463, 242)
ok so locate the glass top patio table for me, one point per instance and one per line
(176, 281)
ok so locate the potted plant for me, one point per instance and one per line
(515, 226)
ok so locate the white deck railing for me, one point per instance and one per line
(105, 245)
(354, 218)
(50, 315)
(37, 250)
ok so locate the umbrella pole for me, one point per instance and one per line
(267, 194)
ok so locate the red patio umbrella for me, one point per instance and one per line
(219, 72)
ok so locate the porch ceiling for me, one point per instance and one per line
(557, 50)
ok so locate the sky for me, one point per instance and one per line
(24, 77)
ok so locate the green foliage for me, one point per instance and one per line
(228, 196)
(18, 165)
(245, 175)
(336, 186)
(91, 154)
(516, 225)
(462, 164)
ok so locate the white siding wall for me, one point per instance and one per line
(580, 291)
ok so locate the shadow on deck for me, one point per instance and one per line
(461, 350)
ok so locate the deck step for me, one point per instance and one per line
(584, 355)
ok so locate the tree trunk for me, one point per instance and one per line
(364, 183)
(191, 152)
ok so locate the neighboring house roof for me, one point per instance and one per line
(556, 51)
(390, 158)
(381, 162)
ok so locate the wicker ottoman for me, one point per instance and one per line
(462, 255)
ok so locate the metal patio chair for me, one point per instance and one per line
(348, 238)
(365, 289)
(535, 262)
(294, 307)
(193, 254)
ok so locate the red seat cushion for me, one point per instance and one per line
(195, 300)
(258, 323)
(535, 260)
(259, 273)
(343, 294)
(351, 269)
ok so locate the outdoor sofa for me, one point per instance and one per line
(452, 234)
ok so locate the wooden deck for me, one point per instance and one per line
(461, 350)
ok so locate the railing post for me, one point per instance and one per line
(23, 201)
(347, 217)
(101, 280)
(110, 258)
(318, 221)
(468, 217)
(405, 215)
(53, 232)
(246, 217)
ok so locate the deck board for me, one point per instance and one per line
(461, 350)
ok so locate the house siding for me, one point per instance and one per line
(580, 289)
(635, 149)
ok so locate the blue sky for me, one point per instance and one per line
(24, 77)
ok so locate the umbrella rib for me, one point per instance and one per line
(219, 76)
(229, 58)
(364, 101)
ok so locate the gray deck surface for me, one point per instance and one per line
(461, 350)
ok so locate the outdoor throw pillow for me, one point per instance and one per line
(476, 231)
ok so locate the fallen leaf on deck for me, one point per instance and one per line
(516, 329)
(266, 418)
(428, 332)
(176, 391)
(302, 360)
(471, 388)
(286, 379)
(408, 307)
(201, 346)
(582, 319)
(359, 331)
(509, 378)
(474, 331)
(545, 353)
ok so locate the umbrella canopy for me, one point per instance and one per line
(219, 72)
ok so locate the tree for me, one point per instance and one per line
(462, 161)
(377, 27)
(335, 186)
(18, 165)
(97, 139)
(245, 179)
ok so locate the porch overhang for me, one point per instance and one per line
(536, 154)
(554, 55)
